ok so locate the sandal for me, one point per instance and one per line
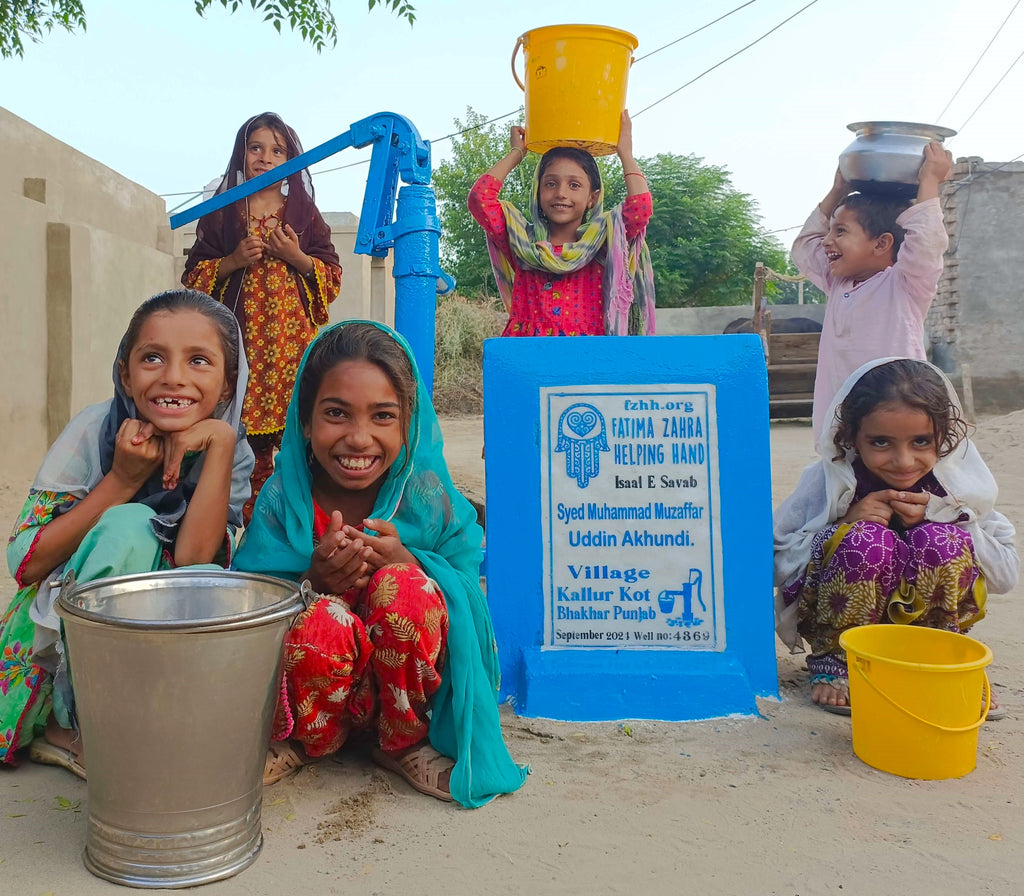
(422, 769)
(841, 686)
(45, 753)
(283, 761)
(995, 711)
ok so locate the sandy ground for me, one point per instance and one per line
(777, 804)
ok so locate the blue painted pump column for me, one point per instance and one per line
(416, 267)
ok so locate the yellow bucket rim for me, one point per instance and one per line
(985, 660)
(604, 30)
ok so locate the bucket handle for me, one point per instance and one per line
(903, 709)
(515, 52)
(307, 595)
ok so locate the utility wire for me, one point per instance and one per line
(727, 58)
(977, 61)
(192, 194)
(698, 31)
(474, 127)
(978, 175)
(987, 95)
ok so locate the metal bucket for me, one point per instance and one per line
(886, 156)
(175, 676)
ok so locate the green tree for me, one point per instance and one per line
(705, 236)
(313, 19)
(475, 149)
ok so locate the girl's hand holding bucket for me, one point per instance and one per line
(636, 183)
(517, 152)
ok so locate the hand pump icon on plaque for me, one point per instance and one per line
(667, 601)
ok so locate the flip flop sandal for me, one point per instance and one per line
(283, 761)
(836, 710)
(422, 769)
(45, 753)
(995, 713)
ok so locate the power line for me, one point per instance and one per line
(975, 176)
(477, 127)
(987, 95)
(977, 61)
(727, 58)
(192, 194)
(697, 31)
(659, 49)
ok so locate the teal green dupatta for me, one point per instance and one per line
(438, 526)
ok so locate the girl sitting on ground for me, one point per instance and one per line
(153, 478)
(399, 643)
(897, 526)
(575, 269)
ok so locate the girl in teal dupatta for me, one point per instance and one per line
(361, 503)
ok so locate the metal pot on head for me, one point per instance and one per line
(886, 156)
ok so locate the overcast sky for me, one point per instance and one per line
(157, 93)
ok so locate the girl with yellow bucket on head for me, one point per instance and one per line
(574, 269)
(894, 524)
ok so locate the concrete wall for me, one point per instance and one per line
(975, 319)
(80, 247)
(711, 321)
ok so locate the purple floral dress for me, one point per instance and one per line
(862, 573)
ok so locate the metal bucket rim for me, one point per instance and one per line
(287, 605)
(905, 128)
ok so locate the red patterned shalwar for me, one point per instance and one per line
(366, 657)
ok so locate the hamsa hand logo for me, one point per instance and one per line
(582, 438)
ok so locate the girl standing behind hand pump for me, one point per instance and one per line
(400, 642)
(576, 269)
(898, 525)
(269, 258)
(153, 478)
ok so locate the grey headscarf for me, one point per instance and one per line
(84, 452)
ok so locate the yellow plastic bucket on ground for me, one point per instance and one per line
(575, 88)
(916, 694)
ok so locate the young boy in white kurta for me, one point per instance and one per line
(878, 290)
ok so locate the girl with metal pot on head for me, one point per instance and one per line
(879, 262)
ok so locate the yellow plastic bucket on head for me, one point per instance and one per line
(916, 694)
(575, 88)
